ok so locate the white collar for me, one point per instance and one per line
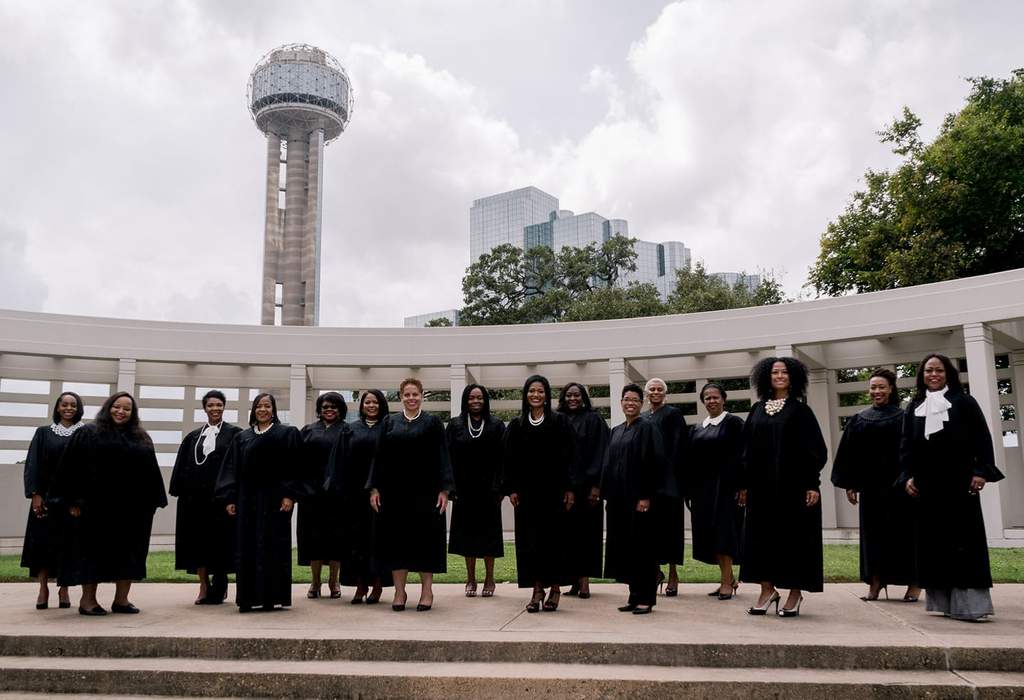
(935, 411)
(716, 420)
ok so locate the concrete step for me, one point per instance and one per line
(790, 655)
(482, 681)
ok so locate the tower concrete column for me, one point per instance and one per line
(272, 238)
(981, 370)
(311, 241)
(290, 268)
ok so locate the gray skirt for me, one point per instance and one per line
(960, 603)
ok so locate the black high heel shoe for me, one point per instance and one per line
(869, 597)
(732, 589)
(763, 609)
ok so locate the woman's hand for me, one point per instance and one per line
(569, 499)
(75, 511)
(911, 488)
(851, 496)
(643, 505)
(38, 507)
(977, 484)
(375, 500)
(595, 495)
(232, 509)
(442, 501)
(812, 498)
(513, 498)
(287, 504)
(741, 498)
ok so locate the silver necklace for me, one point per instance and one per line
(65, 431)
(773, 406)
(535, 422)
(477, 432)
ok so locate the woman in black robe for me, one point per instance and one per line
(109, 481)
(634, 466)
(585, 520)
(474, 443)
(410, 480)
(347, 472)
(784, 453)
(44, 530)
(259, 482)
(319, 526)
(669, 512)
(947, 458)
(204, 534)
(867, 466)
(540, 448)
(716, 513)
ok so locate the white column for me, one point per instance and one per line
(298, 386)
(701, 411)
(784, 351)
(616, 380)
(981, 370)
(820, 402)
(458, 380)
(126, 376)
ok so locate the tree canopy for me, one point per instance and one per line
(952, 208)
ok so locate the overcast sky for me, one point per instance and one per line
(132, 182)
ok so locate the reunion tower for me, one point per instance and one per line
(301, 98)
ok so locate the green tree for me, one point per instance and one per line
(615, 302)
(440, 322)
(697, 290)
(952, 208)
(615, 256)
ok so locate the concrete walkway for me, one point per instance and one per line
(836, 617)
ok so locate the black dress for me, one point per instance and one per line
(347, 471)
(476, 513)
(716, 519)
(43, 536)
(115, 480)
(586, 522)
(670, 515)
(410, 469)
(634, 467)
(952, 546)
(259, 471)
(538, 460)
(319, 521)
(783, 458)
(204, 534)
(868, 461)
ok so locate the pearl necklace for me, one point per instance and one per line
(256, 429)
(535, 422)
(475, 433)
(411, 419)
(773, 406)
(370, 423)
(64, 431)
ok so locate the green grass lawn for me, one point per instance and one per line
(841, 565)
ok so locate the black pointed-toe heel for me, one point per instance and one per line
(629, 607)
(763, 609)
(643, 610)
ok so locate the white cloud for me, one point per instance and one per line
(22, 288)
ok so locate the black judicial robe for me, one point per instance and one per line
(347, 472)
(670, 515)
(538, 462)
(259, 471)
(43, 536)
(319, 522)
(868, 461)
(586, 522)
(410, 469)
(115, 480)
(716, 520)
(634, 470)
(204, 534)
(783, 458)
(952, 547)
(476, 513)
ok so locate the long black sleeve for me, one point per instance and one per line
(33, 464)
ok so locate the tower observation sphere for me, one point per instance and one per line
(300, 97)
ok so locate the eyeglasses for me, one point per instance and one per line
(632, 400)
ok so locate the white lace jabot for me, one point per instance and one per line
(935, 411)
(716, 420)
